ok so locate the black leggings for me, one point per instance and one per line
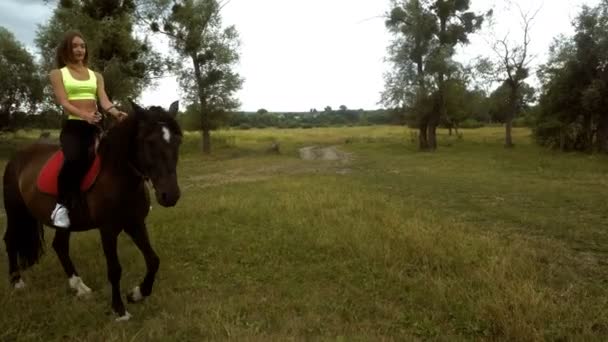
(77, 142)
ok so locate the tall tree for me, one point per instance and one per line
(413, 27)
(209, 80)
(456, 22)
(127, 63)
(21, 87)
(511, 67)
(427, 34)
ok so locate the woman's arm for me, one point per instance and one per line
(106, 105)
(61, 98)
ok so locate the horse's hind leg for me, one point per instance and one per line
(24, 234)
(139, 234)
(13, 267)
(61, 245)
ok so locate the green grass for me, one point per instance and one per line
(472, 242)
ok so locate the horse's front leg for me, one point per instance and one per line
(139, 234)
(109, 238)
(61, 245)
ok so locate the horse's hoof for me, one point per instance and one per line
(19, 284)
(135, 295)
(82, 290)
(84, 295)
(124, 318)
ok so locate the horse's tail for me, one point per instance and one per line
(24, 235)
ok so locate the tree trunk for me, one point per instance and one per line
(206, 137)
(588, 133)
(205, 131)
(432, 133)
(602, 133)
(508, 128)
(4, 121)
(513, 104)
(422, 137)
(434, 122)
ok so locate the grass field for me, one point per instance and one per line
(473, 242)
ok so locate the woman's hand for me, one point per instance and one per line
(120, 115)
(91, 117)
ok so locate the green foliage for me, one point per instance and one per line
(20, 85)
(499, 102)
(425, 35)
(573, 111)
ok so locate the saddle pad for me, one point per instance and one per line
(47, 178)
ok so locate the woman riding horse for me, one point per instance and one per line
(140, 147)
(76, 89)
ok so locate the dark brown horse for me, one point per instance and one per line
(143, 146)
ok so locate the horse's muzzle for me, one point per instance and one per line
(167, 192)
(167, 198)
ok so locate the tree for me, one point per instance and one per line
(127, 63)
(194, 28)
(427, 33)
(455, 24)
(414, 27)
(573, 113)
(21, 87)
(511, 68)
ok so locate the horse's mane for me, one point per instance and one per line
(119, 139)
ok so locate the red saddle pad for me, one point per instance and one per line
(47, 178)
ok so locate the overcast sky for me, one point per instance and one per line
(297, 55)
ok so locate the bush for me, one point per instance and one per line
(471, 123)
(524, 121)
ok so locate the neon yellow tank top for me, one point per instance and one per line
(77, 89)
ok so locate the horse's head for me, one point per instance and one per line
(157, 148)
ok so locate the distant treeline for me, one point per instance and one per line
(484, 112)
(263, 118)
(52, 119)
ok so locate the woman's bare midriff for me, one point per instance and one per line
(85, 105)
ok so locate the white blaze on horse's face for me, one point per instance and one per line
(166, 134)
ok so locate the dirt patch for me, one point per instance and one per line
(323, 153)
(338, 162)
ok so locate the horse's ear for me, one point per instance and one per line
(174, 108)
(137, 110)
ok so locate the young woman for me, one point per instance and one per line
(77, 89)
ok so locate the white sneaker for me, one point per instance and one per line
(60, 216)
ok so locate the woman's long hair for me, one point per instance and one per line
(65, 53)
